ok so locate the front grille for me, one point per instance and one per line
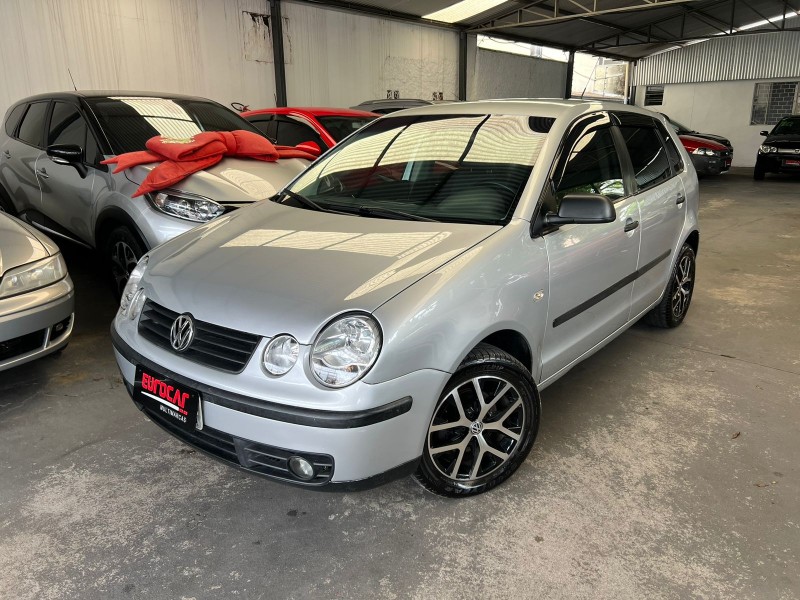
(252, 456)
(21, 345)
(213, 346)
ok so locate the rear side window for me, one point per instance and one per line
(32, 127)
(266, 126)
(651, 165)
(593, 167)
(13, 119)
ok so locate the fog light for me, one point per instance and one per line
(301, 468)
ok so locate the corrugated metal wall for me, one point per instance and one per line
(757, 56)
(211, 48)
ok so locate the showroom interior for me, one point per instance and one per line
(399, 299)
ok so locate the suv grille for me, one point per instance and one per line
(213, 346)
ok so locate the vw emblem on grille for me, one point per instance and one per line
(182, 333)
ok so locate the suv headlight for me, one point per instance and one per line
(768, 150)
(185, 206)
(132, 297)
(33, 276)
(345, 350)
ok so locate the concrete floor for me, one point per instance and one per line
(666, 466)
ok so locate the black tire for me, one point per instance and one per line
(758, 173)
(122, 249)
(6, 205)
(517, 411)
(673, 307)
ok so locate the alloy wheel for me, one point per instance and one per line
(476, 428)
(684, 283)
(123, 261)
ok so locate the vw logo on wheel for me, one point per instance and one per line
(182, 333)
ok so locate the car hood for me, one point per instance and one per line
(783, 141)
(234, 180)
(271, 269)
(714, 138)
(701, 142)
(18, 246)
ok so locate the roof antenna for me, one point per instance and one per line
(71, 79)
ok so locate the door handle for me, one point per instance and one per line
(630, 225)
(42, 173)
(680, 199)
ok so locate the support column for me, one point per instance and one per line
(462, 65)
(570, 70)
(276, 26)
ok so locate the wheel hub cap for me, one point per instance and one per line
(476, 427)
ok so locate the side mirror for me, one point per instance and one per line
(310, 147)
(582, 208)
(68, 154)
(765, 133)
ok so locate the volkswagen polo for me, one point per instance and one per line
(400, 305)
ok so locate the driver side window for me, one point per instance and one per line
(592, 167)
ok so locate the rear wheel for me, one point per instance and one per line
(673, 307)
(122, 250)
(483, 426)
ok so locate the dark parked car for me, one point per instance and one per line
(682, 129)
(385, 106)
(780, 152)
(708, 157)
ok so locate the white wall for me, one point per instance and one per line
(337, 58)
(721, 107)
(505, 75)
(202, 47)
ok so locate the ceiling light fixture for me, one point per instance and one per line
(461, 11)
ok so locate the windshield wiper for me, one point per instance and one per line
(309, 203)
(370, 211)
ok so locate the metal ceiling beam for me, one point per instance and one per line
(689, 39)
(374, 11)
(583, 16)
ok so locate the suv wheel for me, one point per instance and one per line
(483, 426)
(673, 307)
(123, 249)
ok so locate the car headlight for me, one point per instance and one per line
(345, 350)
(706, 152)
(768, 149)
(33, 276)
(280, 355)
(131, 291)
(186, 206)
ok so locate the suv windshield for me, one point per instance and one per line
(788, 126)
(455, 168)
(341, 127)
(130, 121)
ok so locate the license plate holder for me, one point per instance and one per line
(178, 404)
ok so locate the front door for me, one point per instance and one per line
(591, 266)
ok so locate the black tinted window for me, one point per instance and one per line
(340, 127)
(649, 158)
(32, 126)
(291, 133)
(13, 119)
(593, 167)
(267, 127)
(67, 126)
(672, 152)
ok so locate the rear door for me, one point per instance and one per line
(591, 266)
(656, 164)
(20, 155)
(67, 194)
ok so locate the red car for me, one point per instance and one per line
(324, 127)
(709, 157)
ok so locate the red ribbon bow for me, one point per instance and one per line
(180, 158)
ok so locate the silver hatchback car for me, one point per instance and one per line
(51, 148)
(399, 306)
(36, 295)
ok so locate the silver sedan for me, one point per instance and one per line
(37, 299)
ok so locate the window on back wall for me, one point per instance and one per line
(774, 100)
(654, 95)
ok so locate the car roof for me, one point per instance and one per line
(65, 95)
(315, 111)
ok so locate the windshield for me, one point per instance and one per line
(129, 122)
(788, 126)
(455, 168)
(341, 127)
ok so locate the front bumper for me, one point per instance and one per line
(352, 449)
(35, 324)
(710, 165)
(779, 163)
